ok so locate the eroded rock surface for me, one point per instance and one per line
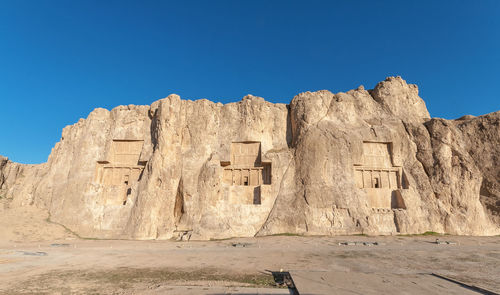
(370, 162)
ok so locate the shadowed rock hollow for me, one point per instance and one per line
(364, 161)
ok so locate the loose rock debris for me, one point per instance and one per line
(360, 244)
(444, 242)
(33, 253)
(59, 245)
(240, 245)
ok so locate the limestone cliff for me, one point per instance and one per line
(369, 162)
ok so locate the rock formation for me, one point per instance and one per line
(365, 161)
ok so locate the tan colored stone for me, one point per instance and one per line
(357, 162)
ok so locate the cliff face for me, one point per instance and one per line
(358, 162)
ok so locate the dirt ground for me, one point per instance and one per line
(31, 263)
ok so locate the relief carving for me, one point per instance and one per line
(122, 170)
(246, 168)
(379, 177)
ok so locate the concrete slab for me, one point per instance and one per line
(337, 282)
(201, 290)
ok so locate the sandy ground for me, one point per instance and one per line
(31, 263)
(28, 224)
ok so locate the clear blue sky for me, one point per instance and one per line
(61, 59)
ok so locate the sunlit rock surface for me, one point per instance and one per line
(365, 161)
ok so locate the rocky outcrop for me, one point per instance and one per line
(481, 143)
(369, 162)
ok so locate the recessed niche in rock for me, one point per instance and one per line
(379, 177)
(247, 169)
(122, 169)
